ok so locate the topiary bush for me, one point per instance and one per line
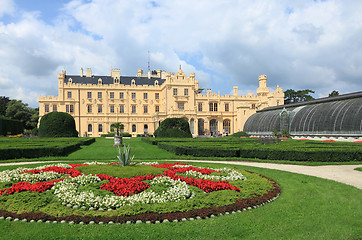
(240, 134)
(57, 124)
(174, 128)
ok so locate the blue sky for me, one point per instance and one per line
(301, 44)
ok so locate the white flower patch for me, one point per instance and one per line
(232, 175)
(96, 163)
(149, 163)
(17, 175)
(67, 192)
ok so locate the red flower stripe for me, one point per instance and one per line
(77, 165)
(186, 169)
(205, 185)
(125, 186)
(33, 187)
(71, 172)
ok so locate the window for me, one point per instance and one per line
(55, 108)
(111, 95)
(213, 107)
(69, 94)
(112, 108)
(226, 107)
(100, 128)
(99, 108)
(277, 102)
(121, 95)
(253, 106)
(133, 128)
(121, 108)
(69, 108)
(133, 95)
(133, 108)
(46, 108)
(89, 108)
(199, 107)
(175, 91)
(180, 106)
(145, 95)
(186, 91)
(157, 108)
(99, 95)
(226, 126)
(157, 96)
(90, 128)
(89, 94)
(145, 109)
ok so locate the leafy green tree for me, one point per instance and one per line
(334, 93)
(3, 105)
(19, 111)
(292, 96)
(118, 126)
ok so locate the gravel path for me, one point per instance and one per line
(340, 173)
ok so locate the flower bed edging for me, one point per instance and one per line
(156, 218)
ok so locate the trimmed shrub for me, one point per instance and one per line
(10, 126)
(173, 128)
(57, 124)
(240, 134)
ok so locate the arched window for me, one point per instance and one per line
(133, 128)
(201, 127)
(213, 126)
(226, 126)
(100, 128)
(90, 128)
(145, 129)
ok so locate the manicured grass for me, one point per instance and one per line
(102, 150)
(358, 169)
(308, 208)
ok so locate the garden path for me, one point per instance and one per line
(340, 173)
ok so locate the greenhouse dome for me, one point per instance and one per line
(332, 116)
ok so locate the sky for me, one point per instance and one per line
(298, 44)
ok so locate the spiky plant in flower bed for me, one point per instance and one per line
(124, 156)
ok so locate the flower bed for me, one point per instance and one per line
(182, 191)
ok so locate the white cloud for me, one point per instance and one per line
(298, 44)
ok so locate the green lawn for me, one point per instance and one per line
(308, 208)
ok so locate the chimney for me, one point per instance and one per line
(89, 72)
(235, 91)
(81, 72)
(140, 73)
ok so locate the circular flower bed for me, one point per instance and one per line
(147, 192)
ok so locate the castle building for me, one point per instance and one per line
(141, 102)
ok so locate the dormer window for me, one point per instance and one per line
(116, 80)
(99, 81)
(156, 83)
(70, 80)
(133, 82)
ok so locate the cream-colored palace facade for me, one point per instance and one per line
(141, 102)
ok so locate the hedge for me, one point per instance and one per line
(57, 124)
(10, 126)
(37, 149)
(292, 150)
(173, 128)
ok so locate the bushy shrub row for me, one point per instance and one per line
(292, 150)
(41, 149)
(112, 134)
(10, 127)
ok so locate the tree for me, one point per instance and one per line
(3, 105)
(334, 93)
(57, 124)
(174, 128)
(118, 126)
(18, 110)
(292, 96)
